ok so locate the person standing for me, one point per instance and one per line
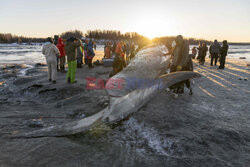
(70, 48)
(214, 50)
(79, 56)
(62, 60)
(127, 52)
(51, 52)
(85, 50)
(223, 53)
(194, 52)
(199, 52)
(119, 51)
(90, 54)
(132, 51)
(204, 50)
(181, 61)
(107, 50)
(56, 37)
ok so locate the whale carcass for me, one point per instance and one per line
(149, 65)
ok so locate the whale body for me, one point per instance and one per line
(149, 64)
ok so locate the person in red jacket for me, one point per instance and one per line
(61, 48)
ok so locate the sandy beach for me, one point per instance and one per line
(210, 128)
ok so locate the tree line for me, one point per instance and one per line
(167, 40)
(9, 38)
(102, 34)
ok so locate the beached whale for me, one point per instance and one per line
(141, 80)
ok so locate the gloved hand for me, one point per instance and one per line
(179, 68)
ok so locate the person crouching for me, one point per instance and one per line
(51, 52)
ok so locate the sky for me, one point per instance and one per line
(208, 19)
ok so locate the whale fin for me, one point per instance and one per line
(175, 77)
(133, 101)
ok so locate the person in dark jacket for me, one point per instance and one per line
(85, 50)
(71, 45)
(194, 52)
(132, 51)
(181, 61)
(117, 65)
(214, 51)
(204, 50)
(90, 54)
(79, 56)
(55, 41)
(223, 53)
(199, 52)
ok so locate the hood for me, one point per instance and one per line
(216, 42)
(60, 40)
(179, 40)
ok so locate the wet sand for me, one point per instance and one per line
(210, 128)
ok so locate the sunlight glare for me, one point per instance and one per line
(153, 25)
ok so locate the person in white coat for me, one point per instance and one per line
(50, 51)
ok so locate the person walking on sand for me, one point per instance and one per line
(223, 53)
(70, 48)
(62, 55)
(214, 50)
(204, 50)
(51, 52)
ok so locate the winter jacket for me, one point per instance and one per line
(181, 55)
(214, 48)
(61, 48)
(204, 50)
(79, 52)
(118, 49)
(90, 51)
(50, 51)
(70, 49)
(224, 50)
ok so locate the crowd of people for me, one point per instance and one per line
(216, 52)
(182, 60)
(79, 52)
(74, 50)
(122, 52)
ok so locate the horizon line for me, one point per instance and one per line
(84, 33)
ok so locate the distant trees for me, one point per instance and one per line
(9, 38)
(100, 34)
(73, 33)
(169, 39)
(114, 35)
